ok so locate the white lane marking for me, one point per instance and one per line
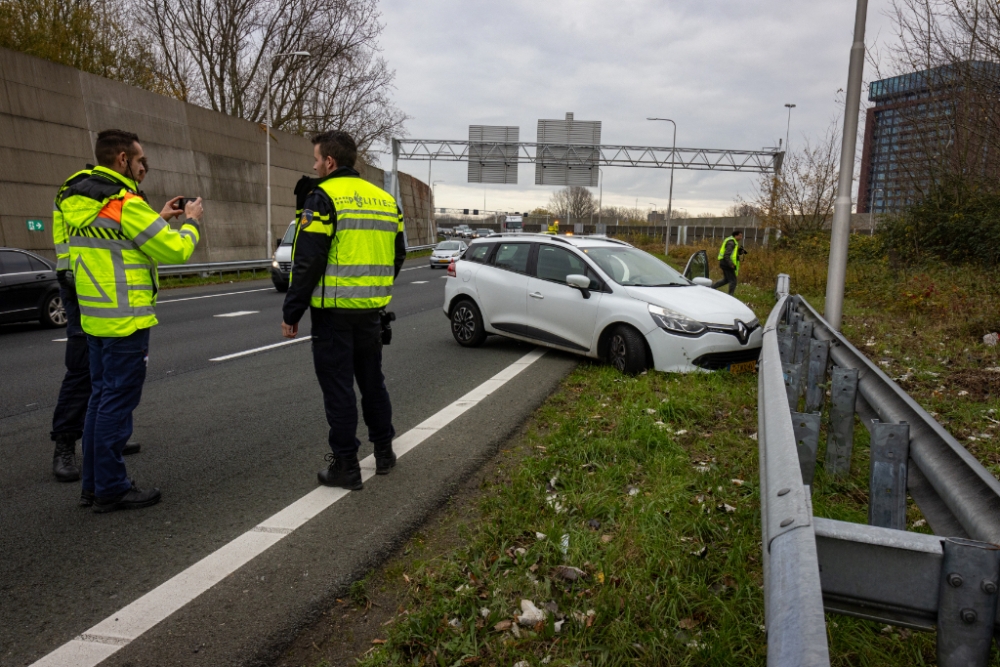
(238, 313)
(59, 340)
(128, 624)
(444, 277)
(260, 349)
(212, 296)
(419, 282)
(413, 268)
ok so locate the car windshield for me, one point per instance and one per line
(631, 267)
(485, 231)
(289, 237)
(449, 245)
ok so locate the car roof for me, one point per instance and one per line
(575, 241)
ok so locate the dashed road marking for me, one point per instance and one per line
(212, 296)
(255, 350)
(419, 282)
(128, 624)
(238, 313)
(60, 340)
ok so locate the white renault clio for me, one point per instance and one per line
(602, 298)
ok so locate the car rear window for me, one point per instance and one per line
(478, 253)
(37, 264)
(15, 262)
(513, 257)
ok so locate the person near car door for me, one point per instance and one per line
(730, 254)
(115, 242)
(349, 247)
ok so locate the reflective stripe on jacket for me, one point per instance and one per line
(734, 259)
(60, 238)
(361, 263)
(115, 243)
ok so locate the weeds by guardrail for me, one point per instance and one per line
(946, 582)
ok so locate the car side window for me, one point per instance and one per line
(37, 264)
(478, 253)
(16, 262)
(556, 263)
(513, 257)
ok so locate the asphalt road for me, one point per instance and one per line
(230, 443)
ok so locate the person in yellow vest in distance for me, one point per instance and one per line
(115, 243)
(553, 228)
(74, 392)
(349, 247)
(730, 254)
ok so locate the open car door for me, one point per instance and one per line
(697, 267)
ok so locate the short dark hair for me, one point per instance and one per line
(738, 232)
(112, 142)
(339, 145)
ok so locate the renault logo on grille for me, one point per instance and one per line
(742, 332)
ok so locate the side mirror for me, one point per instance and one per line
(580, 282)
(703, 281)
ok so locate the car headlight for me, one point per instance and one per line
(274, 263)
(674, 321)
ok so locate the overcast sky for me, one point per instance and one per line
(723, 70)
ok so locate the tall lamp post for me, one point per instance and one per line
(670, 199)
(267, 136)
(788, 126)
(600, 197)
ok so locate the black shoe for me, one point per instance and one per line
(64, 461)
(131, 448)
(86, 498)
(385, 459)
(132, 499)
(343, 472)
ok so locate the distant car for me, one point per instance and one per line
(446, 251)
(601, 298)
(29, 290)
(281, 260)
(462, 231)
(481, 233)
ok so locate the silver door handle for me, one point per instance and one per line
(536, 295)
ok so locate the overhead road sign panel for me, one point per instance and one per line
(568, 152)
(493, 153)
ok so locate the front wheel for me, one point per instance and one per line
(467, 324)
(53, 313)
(626, 351)
(281, 287)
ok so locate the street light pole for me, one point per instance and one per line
(600, 198)
(788, 126)
(670, 199)
(267, 137)
(841, 228)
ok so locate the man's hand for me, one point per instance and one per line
(172, 209)
(194, 209)
(289, 330)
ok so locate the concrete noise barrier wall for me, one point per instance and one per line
(50, 115)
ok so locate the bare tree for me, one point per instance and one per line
(800, 198)
(217, 54)
(575, 202)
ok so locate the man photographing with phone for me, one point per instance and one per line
(349, 248)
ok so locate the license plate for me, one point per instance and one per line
(743, 367)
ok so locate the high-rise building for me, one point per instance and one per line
(913, 132)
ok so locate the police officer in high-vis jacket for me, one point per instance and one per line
(115, 243)
(730, 253)
(349, 247)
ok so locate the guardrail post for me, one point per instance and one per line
(840, 437)
(786, 343)
(819, 352)
(806, 428)
(890, 450)
(792, 374)
(967, 602)
(803, 334)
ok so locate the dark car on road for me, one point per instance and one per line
(28, 289)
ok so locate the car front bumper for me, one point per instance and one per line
(710, 351)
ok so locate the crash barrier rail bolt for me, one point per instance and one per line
(946, 582)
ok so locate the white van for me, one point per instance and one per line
(281, 260)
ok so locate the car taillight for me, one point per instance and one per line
(451, 269)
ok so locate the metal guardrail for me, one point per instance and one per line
(881, 572)
(241, 265)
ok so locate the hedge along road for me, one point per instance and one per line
(231, 444)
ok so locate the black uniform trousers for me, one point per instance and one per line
(728, 276)
(348, 347)
(74, 394)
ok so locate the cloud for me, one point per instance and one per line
(722, 70)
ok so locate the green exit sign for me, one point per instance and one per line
(36, 226)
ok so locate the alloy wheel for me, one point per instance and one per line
(57, 314)
(617, 352)
(463, 324)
